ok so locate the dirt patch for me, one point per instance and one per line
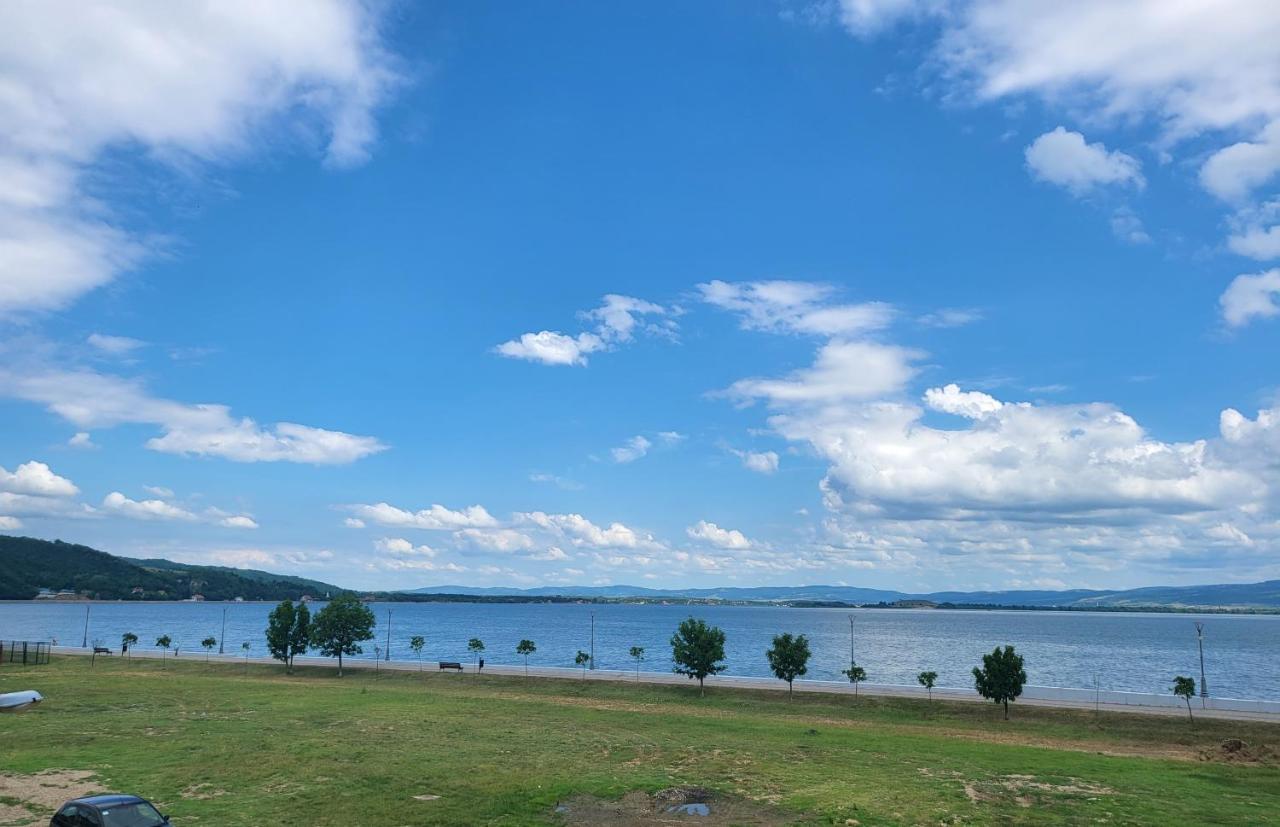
(202, 792)
(1022, 790)
(674, 805)
(30, 800)
(1233, 750)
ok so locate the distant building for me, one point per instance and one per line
(239, 599)
(306, 598)
(195, 598)
(136, 590)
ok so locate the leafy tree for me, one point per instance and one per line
(697, 651)
(789, 658)
(856, 675)
(582, 659)
(340, 627)
(127, 641)
(526, 648)
(416, 643)
(208, 644)
(637, 654)
(299, 632)
(927, 680)
(1001, 677)
(162, 643)
(280, 633)
(244, 647)
(1185, 688)
(476, 646)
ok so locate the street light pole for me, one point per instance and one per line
(85, 644)
(852, 663)
(223, 639)
(593, 641)
(388, 634)
(1204, 687)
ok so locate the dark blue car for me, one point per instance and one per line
(109, 811)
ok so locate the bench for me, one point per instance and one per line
(101, 650)
(445, 664)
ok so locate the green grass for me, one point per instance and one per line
(313, 749)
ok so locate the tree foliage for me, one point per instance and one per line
(789, 657)
(927, 680)
(416, 643)
(127, 641)
(208, 644)
(526, 648)
(340, 627)
(582, 659)
(856, 675)
(1001, 677)
(1185, 688)
(162, 643)
(637, 654)
(697, 650)
(279, 632)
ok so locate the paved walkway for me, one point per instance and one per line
(366, 663)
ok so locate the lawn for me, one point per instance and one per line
(218, 745)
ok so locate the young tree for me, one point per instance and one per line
(697, 651)
(927, 680)
(416, 643)
(341, 626)
(526, 648)
(280, 633)
(244, 647)
(127, 641)
(476, 647)
(208, 644)
(637, 654)
(856, 675)
(789, 658)
(299, 632)
(582, 659)
(162, 643)
(1185, 688)
(1001, 677)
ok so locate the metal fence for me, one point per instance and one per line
(24, 652)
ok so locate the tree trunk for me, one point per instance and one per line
(1190, 717)
(339, 664)
(1006, 710)
(702, 688)
(790, 690)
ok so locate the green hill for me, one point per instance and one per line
(28, 565)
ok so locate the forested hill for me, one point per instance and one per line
(28, 565)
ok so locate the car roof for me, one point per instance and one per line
(107, 800)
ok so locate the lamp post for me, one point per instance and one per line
(388, 634)
(223, 638)
(85, 644)
(593, 641)
(852, 663)
(1204, 687)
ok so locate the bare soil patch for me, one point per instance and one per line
(674, 805)
(30, 800)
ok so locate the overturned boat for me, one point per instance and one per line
(15, 701)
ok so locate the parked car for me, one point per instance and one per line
(109, 811)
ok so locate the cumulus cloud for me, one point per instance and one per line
(96, 400)
(582, 532)
(353, 522)
(720, 537)
(1261, 243)
(434, 518)
(842, 372)
(616, 322)
(81, 440)
(632, 450)
(504, 540)
(1233, 172)
(1064, 158)
(762, 462)
(10, 523)
(401, 546)
(238, 521)
(212, 82)
(1250, 297)
(36, 479)
(145, 509)
(795, 307)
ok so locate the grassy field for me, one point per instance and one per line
(216, 745)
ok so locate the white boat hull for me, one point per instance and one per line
(14, 701)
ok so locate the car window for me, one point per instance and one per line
(66, 817)
(138, 814)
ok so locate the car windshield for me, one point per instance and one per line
(140, 814)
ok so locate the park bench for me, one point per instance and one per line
(445, 664)
(101, 650)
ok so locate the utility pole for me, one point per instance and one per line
(593, 641)
(85, 644)
(1204, 687)
(852, 663)
(388, 634)
(223, 639)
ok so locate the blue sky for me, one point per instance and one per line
(915, 295)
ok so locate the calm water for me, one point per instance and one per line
(1133, 652)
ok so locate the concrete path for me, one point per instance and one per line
(1171, 706)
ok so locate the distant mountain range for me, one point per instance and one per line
(1264, 595)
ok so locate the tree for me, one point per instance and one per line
(476, 646)
(416, 643)
(789, 658)
(526, 648)
(299, 632)
(162, 643)
(208, 644)
(340, 627)
(697, 651)
(127, 641)
(244, 647)
(856, 675)
(1001, 677)
(637, 654)
(927, 680)
(1185, 688)
(582, 659)
(280, 633)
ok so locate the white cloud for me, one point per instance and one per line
(1261, 243)
(159, 491)
(1064, 158)
(671, 437)
(144, 509)
(504, 540)
(632, 450)
(970, 404)
(1233, 172)
(82, 440)
(95, 400)
(950, 317)
(717, 536)
(582, 532)
(115, 345)
(174, 83)
(842, 371)
(353, 522)
(238, 521)
(763, 462)
(36, 479)
(10, 523)
(401, 546)
(435, 518)
(616, 320)
(1250, 297)
(559, 482)
(795, 307)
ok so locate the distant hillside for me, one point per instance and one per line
(28, 565)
